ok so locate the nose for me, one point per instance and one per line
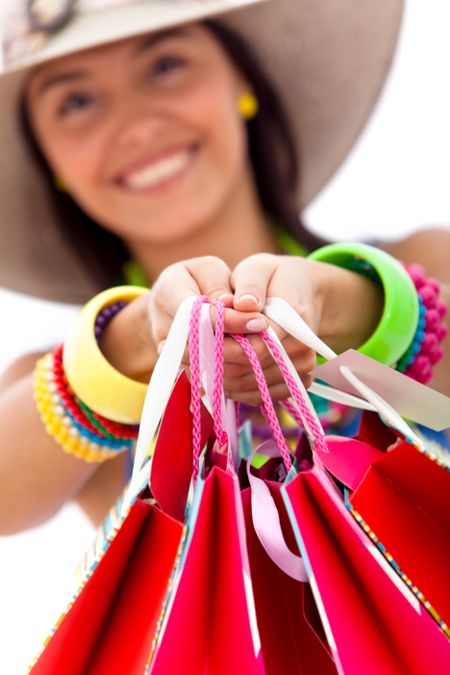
(139, 124)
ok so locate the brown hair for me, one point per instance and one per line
(272, 154)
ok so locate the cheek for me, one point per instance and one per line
(215, 108)
(75, 160)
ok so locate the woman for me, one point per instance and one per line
(168, 146)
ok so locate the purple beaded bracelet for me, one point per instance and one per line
(105, 316)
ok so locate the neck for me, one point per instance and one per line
(238, 231)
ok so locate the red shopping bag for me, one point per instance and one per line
(210, 622)
(400, 495)
(291, 633)
(374, 623)
(292, 636)
(404, 499)
(109, 626)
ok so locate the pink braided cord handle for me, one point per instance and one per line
(194, 360)
(305, 413)
(267, 404)
(221, 435)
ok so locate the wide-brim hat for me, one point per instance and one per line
(327, 58)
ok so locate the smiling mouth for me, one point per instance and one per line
(158, 174)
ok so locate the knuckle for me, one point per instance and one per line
(257, 259)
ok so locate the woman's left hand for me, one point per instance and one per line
(300, 283)
(342, 307)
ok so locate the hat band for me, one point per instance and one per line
(39, 19)
(31, 24)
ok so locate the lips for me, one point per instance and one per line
(157, 173)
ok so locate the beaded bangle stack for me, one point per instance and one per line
(425, 349)
(79, 430)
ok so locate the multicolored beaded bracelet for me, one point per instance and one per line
(425, 350)
(83, 414)
(64, 419)
(55, 420)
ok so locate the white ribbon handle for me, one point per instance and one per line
(159, 389)
(284, 315)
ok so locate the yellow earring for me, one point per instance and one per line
(59, 184)
(248, 105)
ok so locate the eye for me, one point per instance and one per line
(75, 102)
(166, 65)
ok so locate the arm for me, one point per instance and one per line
(36, 476)
(431, 248)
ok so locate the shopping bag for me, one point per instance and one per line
(110, 622)
(373, 622)
(126, 575)
(292, 636)
(404, 477)
(208, 624)
(404, 502)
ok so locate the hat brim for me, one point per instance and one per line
(328, 61)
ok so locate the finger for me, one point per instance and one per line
(244, 322)
(234, 354)
(304, 363)
(172, 287)
(213, 277)
(250, 280)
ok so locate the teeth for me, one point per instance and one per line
(156, 173)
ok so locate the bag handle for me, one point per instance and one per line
(285, 316)
(160, 387)
(196, 379)
(265, 516)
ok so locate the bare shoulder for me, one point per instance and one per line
(430, 247)
(21, 367)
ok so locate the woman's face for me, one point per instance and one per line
(145, 133)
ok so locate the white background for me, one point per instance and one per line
(396, 179)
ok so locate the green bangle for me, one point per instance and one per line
(398, 322)
(95, 381)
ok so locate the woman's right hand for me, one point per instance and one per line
(207, 275)
(210, 276)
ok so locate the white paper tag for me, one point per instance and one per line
(409, 398)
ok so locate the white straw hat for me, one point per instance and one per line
(327, 58)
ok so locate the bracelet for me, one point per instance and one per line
(425, 350)
(58, 424)
(94, 380)
(399, 319)
(104, 317)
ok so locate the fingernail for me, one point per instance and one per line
(256, 325)
(226, 297)
(250, 296)
(160, 346)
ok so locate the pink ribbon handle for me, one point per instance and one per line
(266, 520)
(265, 516)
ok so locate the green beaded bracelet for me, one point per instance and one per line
(398, 322)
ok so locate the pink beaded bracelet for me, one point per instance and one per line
(425, 350)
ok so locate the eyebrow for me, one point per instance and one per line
(147, 43)
(155, 38)
(61, 78)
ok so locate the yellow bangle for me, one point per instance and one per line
(57, 424)
(93, 379)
